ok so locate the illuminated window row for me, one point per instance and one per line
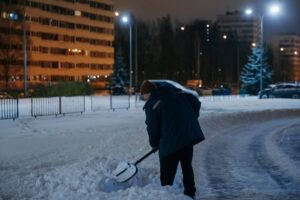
(70, 12)
(68, 25)
(93, 4)
(54, 78)
(73, 52)
(56, 64)
(57, 37)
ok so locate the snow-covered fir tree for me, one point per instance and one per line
(119, 81)
(251, 73)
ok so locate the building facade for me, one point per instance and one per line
(286, 48)
(246, 28)
(66, 40)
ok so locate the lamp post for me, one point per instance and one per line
(274, 9)
(126, 20)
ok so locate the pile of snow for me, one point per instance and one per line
(72, 156)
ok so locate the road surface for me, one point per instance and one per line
(257, 159)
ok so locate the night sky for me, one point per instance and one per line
(187, 10)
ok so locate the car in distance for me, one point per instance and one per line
(281, 90)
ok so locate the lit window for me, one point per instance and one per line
(77, 13)
(4, 15)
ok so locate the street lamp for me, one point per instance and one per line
(274, 9)
(126, 20)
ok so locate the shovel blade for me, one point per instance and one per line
(124, 172)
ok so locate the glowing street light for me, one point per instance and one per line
(273, 9)
(248, 11)
(125, 19)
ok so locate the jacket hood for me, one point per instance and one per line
(164, 92)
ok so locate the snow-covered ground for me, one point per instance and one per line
(251, 152)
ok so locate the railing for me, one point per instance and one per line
(57, 105)
(112, 102)
(45, 106)
(100, 103)
(14, 108)
(120, 102)
(72, 105)
(9, 109)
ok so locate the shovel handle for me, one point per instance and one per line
(145, 156)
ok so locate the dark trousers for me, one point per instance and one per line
(168, 168)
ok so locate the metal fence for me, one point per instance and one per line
(100, 103)
(9, 108)
(72, 105)
(112, 102)
(120, 102)
(45, 106)
(57, 105)
(14, 108)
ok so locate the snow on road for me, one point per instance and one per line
(247, 162)
(251, 152)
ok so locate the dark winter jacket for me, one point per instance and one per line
(172, 120)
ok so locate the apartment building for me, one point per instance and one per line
(245, 28)
(286, 48)
(66, 40)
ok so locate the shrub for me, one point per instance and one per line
(62, 89)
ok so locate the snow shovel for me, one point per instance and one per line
(126, 171)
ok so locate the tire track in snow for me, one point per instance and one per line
(239, 163)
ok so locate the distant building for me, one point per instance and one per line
(67, 40)
(245, 28)
(286, 48)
